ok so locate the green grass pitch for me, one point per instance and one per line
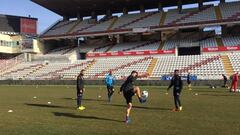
(211, 112)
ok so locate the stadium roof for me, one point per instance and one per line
(85, 7)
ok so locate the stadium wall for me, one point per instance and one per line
(101, 82)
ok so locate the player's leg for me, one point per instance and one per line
(129, 108)
(179, 102)
(137, 91)
(235, 87)
(189, 86)
(111, 91)
(175, 102)
(128, 96)
(108, 92)
(79, 100)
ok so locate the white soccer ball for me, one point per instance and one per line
(144, 94)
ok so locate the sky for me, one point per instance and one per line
(45, 17)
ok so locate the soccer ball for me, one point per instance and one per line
(144, 94)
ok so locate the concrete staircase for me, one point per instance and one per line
(218, 13)
(161, 45)
(123, 66)
(189, 15)
(199, 64)
(141, 45)
(73, 27)
(137, 20)
(162, 19)
(227, 65)
(151, 66)
(219, 42)
(112, 24)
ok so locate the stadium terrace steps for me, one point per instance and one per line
(141, 45)
(218, 13)
(85, 28)
(56, 73)
(227, 65)
(219, 42)
(123, 66)
(110, 47)
(234, 16)
(112, 24)
(199, 64)
(101, 47)
(138, 19)
(69, 50)
(162, 19)
(65, 24)
(161, 45)
(151, 66)
(32, 67)
(188, 15)
(73, 27)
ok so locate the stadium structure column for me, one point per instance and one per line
(222, 1)
(93, 15)
(160, 8)
(180, 6)
(109, 13)
(200, 4)
(79, 17)
(125, 11)
(65, 18)
(142, 9)
(224, 29)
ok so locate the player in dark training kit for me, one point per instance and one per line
(129, 89)
(177, 84)
(80, 90)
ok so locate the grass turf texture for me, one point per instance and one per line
(211, 112)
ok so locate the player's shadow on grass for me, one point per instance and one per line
(86, 99)
(140, 107)
(44, 105)
(70, 115)
(47, 106)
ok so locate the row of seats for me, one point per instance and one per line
(148, 19)
(203, 66)
(100, 46)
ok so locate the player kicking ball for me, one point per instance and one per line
(80, 90)
(110, 80)
(177, 84)
(129, 89)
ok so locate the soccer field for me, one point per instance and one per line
(210, 112)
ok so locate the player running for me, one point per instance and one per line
(129, 89)
(234, 85)
(110, 80)
(177, 84)
(80, 90)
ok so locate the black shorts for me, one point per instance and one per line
(128, 95)
(189, 82)
(110, 88)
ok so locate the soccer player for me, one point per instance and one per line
(129, 89)
(110, 80)
(177, 84)
(189, 81)
(80, 90)
(224, 81)
(234, 82)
